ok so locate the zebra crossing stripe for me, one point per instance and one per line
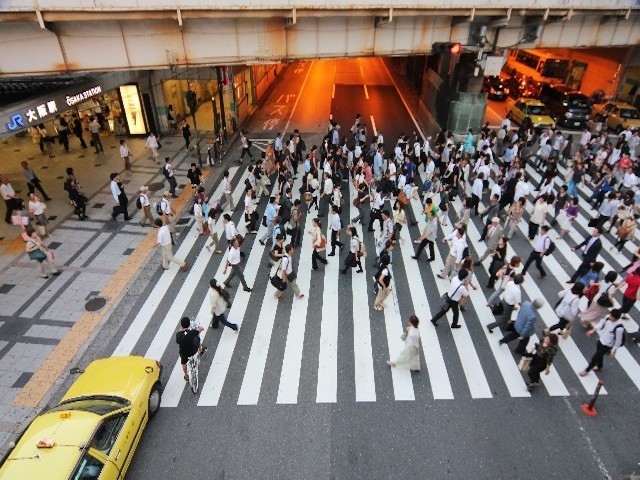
(327, 390)
(142, 319)
(292, 358)
(438, 376)
(476, 379)
(362, 351)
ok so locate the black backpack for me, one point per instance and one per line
(165, 171)
(624, 334)
(159, 207)
(139, 203)
(550, 249)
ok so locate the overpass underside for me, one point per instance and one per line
(75, 38)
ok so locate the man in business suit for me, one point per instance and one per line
(494, 232)
(592, 246)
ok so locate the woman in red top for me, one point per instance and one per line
(630, 293)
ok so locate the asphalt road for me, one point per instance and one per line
(498, 436)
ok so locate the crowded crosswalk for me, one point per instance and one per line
(334, 336)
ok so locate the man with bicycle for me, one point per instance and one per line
(188, 340)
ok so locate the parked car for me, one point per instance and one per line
(569, 107)
(494, 87)
(530, 108)
(616, 115)
(94, 430)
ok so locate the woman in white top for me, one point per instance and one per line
(318, 242)
(219, 298)
(399, 219)
(152, 144)
(213, 234)
(538, 214)
(39, 253)
(197, 212)
(568, 307)
(409, 357)
(36, 210)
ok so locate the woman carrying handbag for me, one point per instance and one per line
(541, 359)
(39, 253)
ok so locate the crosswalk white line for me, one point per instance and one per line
(327, 390)
(212, 387)
(292, 358)
(137, 327)
(438, 375)
(476, 379)
(508, 368)
(362, 351)
(254, 371)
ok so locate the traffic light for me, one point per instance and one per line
(446, 47)
(191, 102)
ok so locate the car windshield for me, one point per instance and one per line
(629, 113)
(537, 110)
(98, 404)
(577, 101)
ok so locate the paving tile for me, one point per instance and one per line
(128, 251)
(54, 245)
(22, 380)
(47, 331)
(97, 205)
(6, 287)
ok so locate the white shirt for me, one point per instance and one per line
(197, 209)
(144, 200)
(378, 202)
(36, 207)
(169, 169)
(606, 329)
(286, 265)
(392, 171)
(115, 190)
(335, 222)
(164, 235)
(354, 245)
(249, 205)
(522, 190)
(457, 290)
(457, 248)
(152, 142)
(495, 191)
(277, 144)
(542, 243)
(431, 166)
(7, 191)
(512, 293)
(328, 186)
(226, 185)
(233, 256)
(476, 188)
(230, 230)
(165, 206)
(124, 151)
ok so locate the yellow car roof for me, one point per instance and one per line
(68, 431)
(117, 376)
(530, 101)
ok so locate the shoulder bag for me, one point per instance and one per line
(446, 300)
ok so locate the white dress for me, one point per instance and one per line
(409, 357)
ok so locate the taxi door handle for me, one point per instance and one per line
(118, 454)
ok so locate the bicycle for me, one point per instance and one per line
(193, 365)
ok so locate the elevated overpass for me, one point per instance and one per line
(49, 36)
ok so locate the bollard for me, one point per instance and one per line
(588, 408)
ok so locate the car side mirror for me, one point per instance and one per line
(76, 370)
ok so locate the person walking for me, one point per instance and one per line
(494, 234)
(9, 197)
(172, 119)
(568, 307)
(428, 237)
(213, 234)
(33, 182)
(336, 226)
(409, 356)
(383, 282)
(538, 214)
(456, 252)
(287, 274)
(353, 257)
(227, 188)
(94, 128)
(117, 190)
(77, 199)
(457, 290)
(233, 261)
(186, 134)
(125, 153)
(503, 274)
(77, 130)
(164, 241)
(220, 301)
(541, 246)
(152, 144)
(36, 211)
(511, 300)
(295, 222)
(145, 207)
(592, 246)
(270, 213)
(524, 325)
(245, 146)
(250, 214)
(610, 337)
(318, 243)
(541, 359)
(62, 126)
(498, 260)
(631, 292)
(39, 253)
(169, 174)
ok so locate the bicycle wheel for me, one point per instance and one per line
(193, 374)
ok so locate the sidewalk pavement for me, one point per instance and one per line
(46, 323)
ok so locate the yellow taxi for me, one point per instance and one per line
(530, 108)
(618, 116)
(94, 430)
